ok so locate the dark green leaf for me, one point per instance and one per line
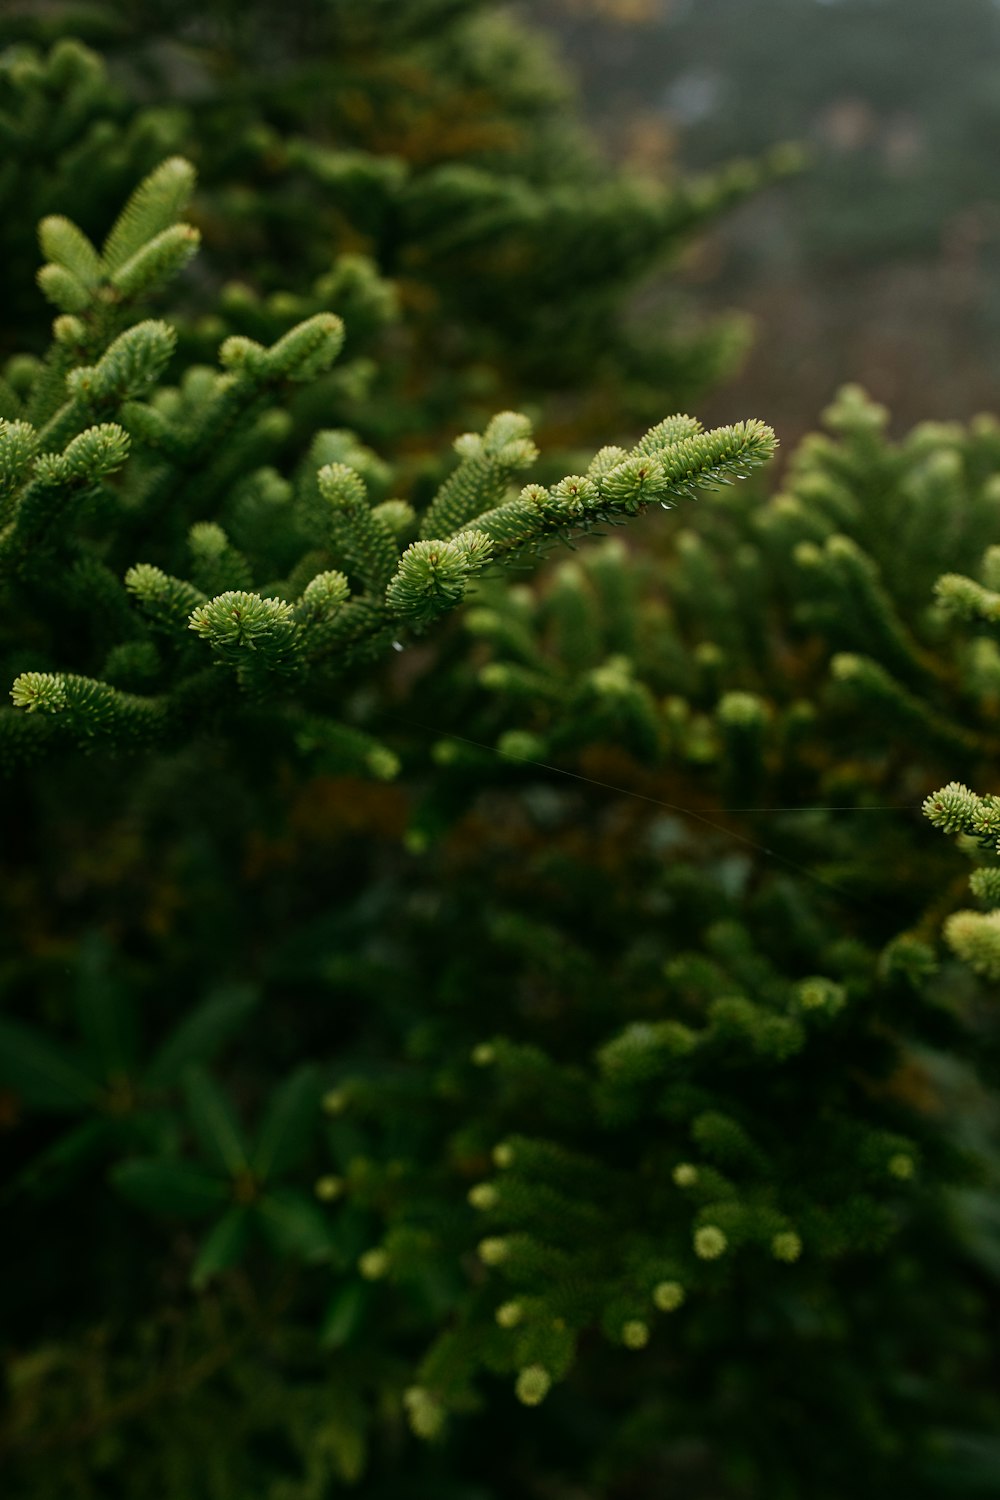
(289, 1124)
(294, 1225)
(222, 1247)
(170, 1187)
(66, 1157)
(346, 1314)
(977, 1219)
(202, 1034)
(214, 1122)
(41, 1074)
(106, 1012)
(965, 1463)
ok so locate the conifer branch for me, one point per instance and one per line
(88, 712)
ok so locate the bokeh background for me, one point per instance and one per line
(880, 261)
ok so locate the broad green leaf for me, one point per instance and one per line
(292, 1118)
(294, 1225)
(977, 1220)
(41, 1074)
(964, 1463)
(157, 1132)
(214, 1122)
(106, 1012)
(203, 1033)
(345, 1314)
(83, 1144)
(222, 1247)
(170, 1187)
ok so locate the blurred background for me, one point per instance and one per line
(880, 262)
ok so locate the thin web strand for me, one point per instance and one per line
(689, 812)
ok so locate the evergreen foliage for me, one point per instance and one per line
(191, 656)
(493, 1055)
(195, 441)
(433, 140)
(732, 1044)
